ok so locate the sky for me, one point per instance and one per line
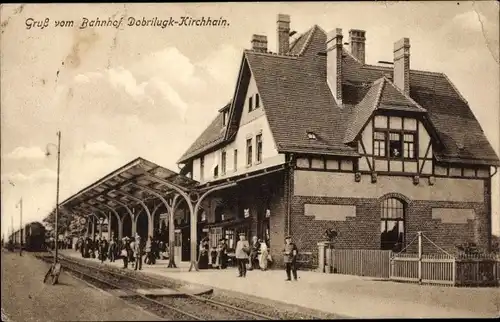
(120, 93)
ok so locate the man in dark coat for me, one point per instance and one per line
(290, 252)
(254, 253)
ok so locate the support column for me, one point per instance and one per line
(109, 226)
(171, 210)
(150, 223)
(120, 221)
(100, 228)
(120, 228)
(134, 224)
(93, 228)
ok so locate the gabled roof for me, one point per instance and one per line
(297, 100)
(213, 135)
(383, 94)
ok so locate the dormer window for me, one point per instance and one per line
(257, 101)
(311, 136)
(395, 142)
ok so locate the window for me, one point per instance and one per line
(258, 142)
(409, 146)
(392, 227)
(202, 167)
(249, 152)
(231, 242)
(257, 101)
(224, 118)
(379, 144)
(395, 145)
(235, 160)
(216, 171)
(223, 161)
(311, 136)
(250, 104)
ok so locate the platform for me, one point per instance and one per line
(344, 295)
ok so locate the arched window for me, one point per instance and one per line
(392, 224)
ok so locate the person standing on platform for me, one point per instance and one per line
(203, 258)
(241, 254)
(263, 257)
(112, 249)
(221, 254)
(125, 252)
(138, 252)
(254, 253)
(290, 258)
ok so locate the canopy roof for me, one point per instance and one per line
(129, 186)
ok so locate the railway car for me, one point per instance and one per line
(34, 237)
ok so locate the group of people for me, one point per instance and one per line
(256, 254)
(217, 257)
(128, 249)
(249, 255)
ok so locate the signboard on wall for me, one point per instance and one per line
(268, 213)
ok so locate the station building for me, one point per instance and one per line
(316, 138)
(325, 140)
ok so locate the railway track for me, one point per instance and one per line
(182, 307)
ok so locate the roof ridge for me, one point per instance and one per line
(308, 40)
(454, 88)
(271, 54)
(417, 71)
(351, 55)
(404, 94)
(380, 90)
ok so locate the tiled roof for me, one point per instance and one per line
(298, 44)
(383, 94)
(296, 99)
(361, 112)
(213, 135)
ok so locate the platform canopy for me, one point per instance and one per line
(128, 185)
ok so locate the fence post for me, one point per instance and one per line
(454, 276)
(419, 234)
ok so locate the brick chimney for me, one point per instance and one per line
(402, 65)
(259, 43)
(334, 63)
(357, 42)
(283, 33)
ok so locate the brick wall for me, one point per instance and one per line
(363, 230)
(277, 221)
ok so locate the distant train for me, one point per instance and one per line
(33, 237)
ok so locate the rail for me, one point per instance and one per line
(146, 282)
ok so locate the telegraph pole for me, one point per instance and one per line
(57, 194)
(21, 224)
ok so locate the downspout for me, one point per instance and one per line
(289, 197)
(490, 210)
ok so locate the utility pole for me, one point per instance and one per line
(21, 224)
(57, 194)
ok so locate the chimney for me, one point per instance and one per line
(283, 31)
(357, 42)
(334, 63)
(402, 65)
(259, 43)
